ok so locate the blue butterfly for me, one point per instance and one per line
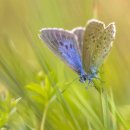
(82, 49)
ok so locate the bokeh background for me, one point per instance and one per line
(31, 76)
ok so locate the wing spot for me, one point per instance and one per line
(94, 40)
(98, 30)
(86, 39)
(61, 43)
(105, 50)
(105, 38)
(66, 47)
(93, 37)
(90, 34)
(71, 46)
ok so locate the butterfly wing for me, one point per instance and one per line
(79, 32)
(97, 44)
(104, 45)
(64, 44)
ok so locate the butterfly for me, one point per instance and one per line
(83, 49)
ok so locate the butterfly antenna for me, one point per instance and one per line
(68, 85)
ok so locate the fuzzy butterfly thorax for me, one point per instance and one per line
(83, 49)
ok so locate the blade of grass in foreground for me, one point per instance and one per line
(60, 97)
(87, 110)
(105, 110)
(117, 119)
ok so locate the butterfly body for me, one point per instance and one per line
(82, 49)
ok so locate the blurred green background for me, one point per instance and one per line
(32, 77)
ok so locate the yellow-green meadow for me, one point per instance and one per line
(38, 91)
